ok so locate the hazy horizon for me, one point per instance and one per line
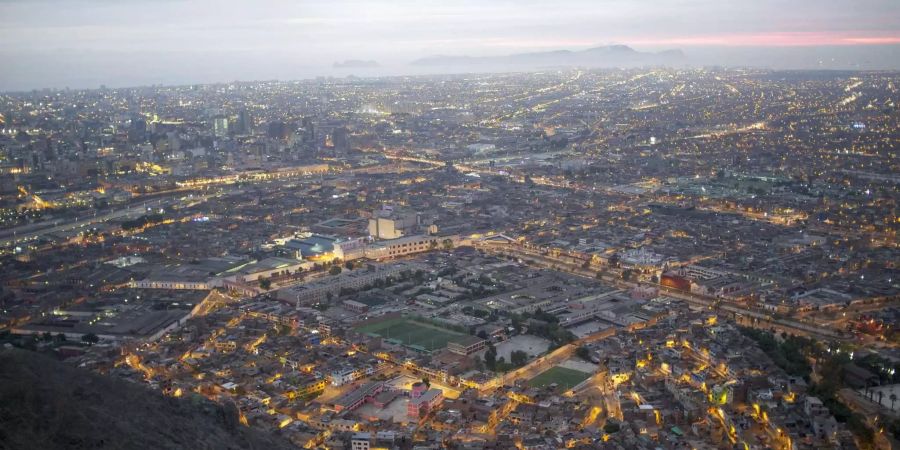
(88, 43)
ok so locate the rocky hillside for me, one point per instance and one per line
(47, 405)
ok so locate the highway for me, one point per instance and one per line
(56, 226)
(29, 232)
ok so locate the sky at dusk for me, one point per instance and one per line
(85, 43)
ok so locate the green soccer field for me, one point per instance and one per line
(564, 377)
(411, 333)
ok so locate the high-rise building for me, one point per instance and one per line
(277, 130)
(340, 139)
(137, 129)
(174, 141)
(389, 223)
(244, 123)
(220, 126)
(308, 131)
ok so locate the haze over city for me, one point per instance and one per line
(88, 43)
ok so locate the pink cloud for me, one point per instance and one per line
(773, 39)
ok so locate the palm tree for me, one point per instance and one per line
(90, 338)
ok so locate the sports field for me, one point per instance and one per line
(411, 333)
(564, 377)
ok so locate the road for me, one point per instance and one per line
(603, 385)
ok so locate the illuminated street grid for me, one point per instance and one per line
(697, 235)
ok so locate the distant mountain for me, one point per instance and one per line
(356, 64)
(48, 405)
(609, 56)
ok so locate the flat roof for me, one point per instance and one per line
(358, 394)
(465, 340)
(426, 396)
(270, 263)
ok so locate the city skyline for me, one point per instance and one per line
(88, 43)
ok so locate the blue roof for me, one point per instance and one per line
(313, 245)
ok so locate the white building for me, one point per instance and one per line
(387, 223)
(318, 291)
(361, 441)
(410, 245)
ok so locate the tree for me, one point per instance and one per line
(540, 314)
(348, 265)
(516, 323)
(47, 336)
(29, 342)
(426, 382)
(583, 353)
(90, 338)
(60, 337)
(334, 270)
(614, 260)
(483, 334)
(626, 275)
(490, 357)
(518, 358)
(265, 283)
